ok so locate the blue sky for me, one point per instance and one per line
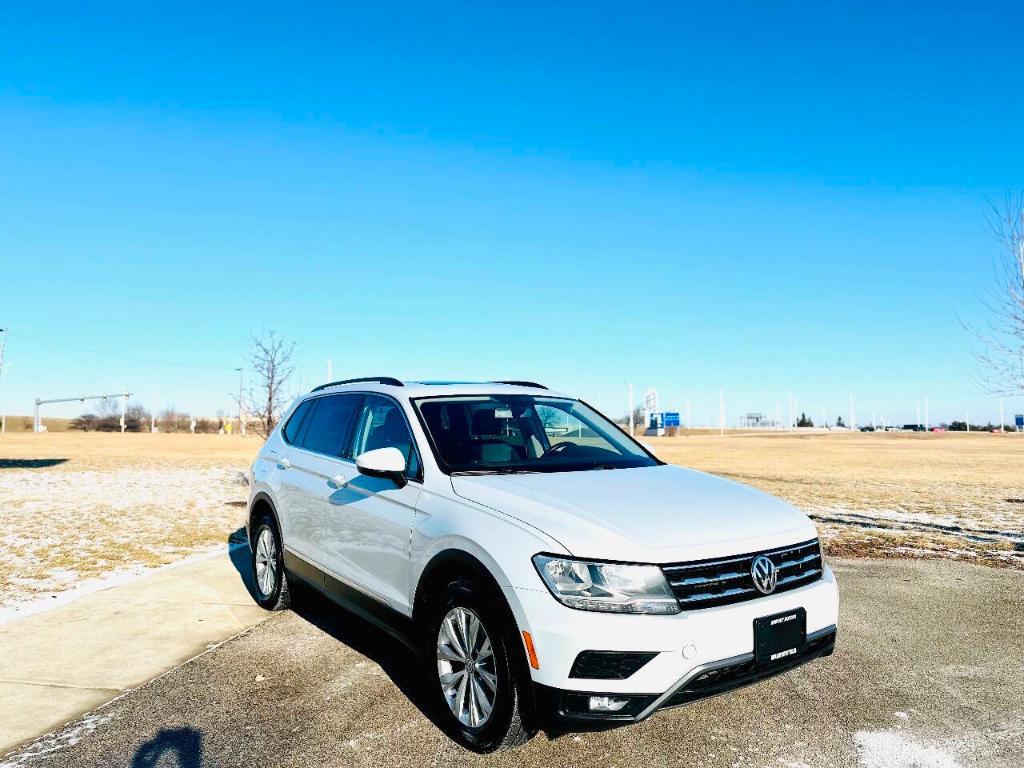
(761, 197)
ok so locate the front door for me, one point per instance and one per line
(369, 519)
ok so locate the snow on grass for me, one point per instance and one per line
(68, 528)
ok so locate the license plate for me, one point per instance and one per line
(780, 636)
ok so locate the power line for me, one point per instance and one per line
(119, 356)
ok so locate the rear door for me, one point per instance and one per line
(314, 465)
(369, 520)
(288, 491)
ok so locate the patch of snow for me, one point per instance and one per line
(51, 742)
(889, 749)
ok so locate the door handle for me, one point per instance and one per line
(339, 481)
(283, 464)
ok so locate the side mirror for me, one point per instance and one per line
(383, 462)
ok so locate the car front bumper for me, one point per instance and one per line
(700, 645)
(555, 706)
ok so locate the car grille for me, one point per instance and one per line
(708, 583)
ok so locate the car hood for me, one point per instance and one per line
(656, 514)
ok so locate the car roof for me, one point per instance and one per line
(407, 390)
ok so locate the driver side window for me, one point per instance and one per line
(382, 425)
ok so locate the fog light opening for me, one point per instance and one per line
(607, 703)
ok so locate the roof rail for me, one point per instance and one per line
(533, 384)
(364, 379)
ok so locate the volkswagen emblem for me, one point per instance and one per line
(763, 572)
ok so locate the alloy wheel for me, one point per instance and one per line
(266, 562)
(465, 667)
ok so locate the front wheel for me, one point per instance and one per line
(474, 673)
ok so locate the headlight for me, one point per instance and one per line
(606, 587)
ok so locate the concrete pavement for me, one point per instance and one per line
(56, 665)
(927, 674)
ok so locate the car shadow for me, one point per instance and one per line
(397, 659)
(171, 748)
(241, 558)
(30, 463)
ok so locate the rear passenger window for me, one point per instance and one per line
(330, 424)
(294, 426)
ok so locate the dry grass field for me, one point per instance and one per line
(883, 495)
(75, 507)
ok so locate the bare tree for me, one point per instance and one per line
(270, 358)
(1000, 341)
(173, 420)
(108, 412)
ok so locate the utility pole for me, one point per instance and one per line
(721, 412)
(630, 408)
(927, 424)
(124, 409)
(241, 423)
(3, 401)
(967, 420)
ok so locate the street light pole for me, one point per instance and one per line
(3, 402)
(241, 424)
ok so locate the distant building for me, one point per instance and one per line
(755, 421)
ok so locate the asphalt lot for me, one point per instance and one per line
(928, 671)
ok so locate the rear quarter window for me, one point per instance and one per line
(293, 427)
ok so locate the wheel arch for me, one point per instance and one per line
(261, 505)
(445, 564)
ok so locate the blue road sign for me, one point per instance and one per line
(1019, 419)
(670, 419)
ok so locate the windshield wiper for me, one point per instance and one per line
(496, 471)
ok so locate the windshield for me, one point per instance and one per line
(523, 433)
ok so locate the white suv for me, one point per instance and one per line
(552, 572)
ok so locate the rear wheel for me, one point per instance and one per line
(474, 674)
(269, 576)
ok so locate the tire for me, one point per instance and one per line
(270, 579)
(458, 603)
